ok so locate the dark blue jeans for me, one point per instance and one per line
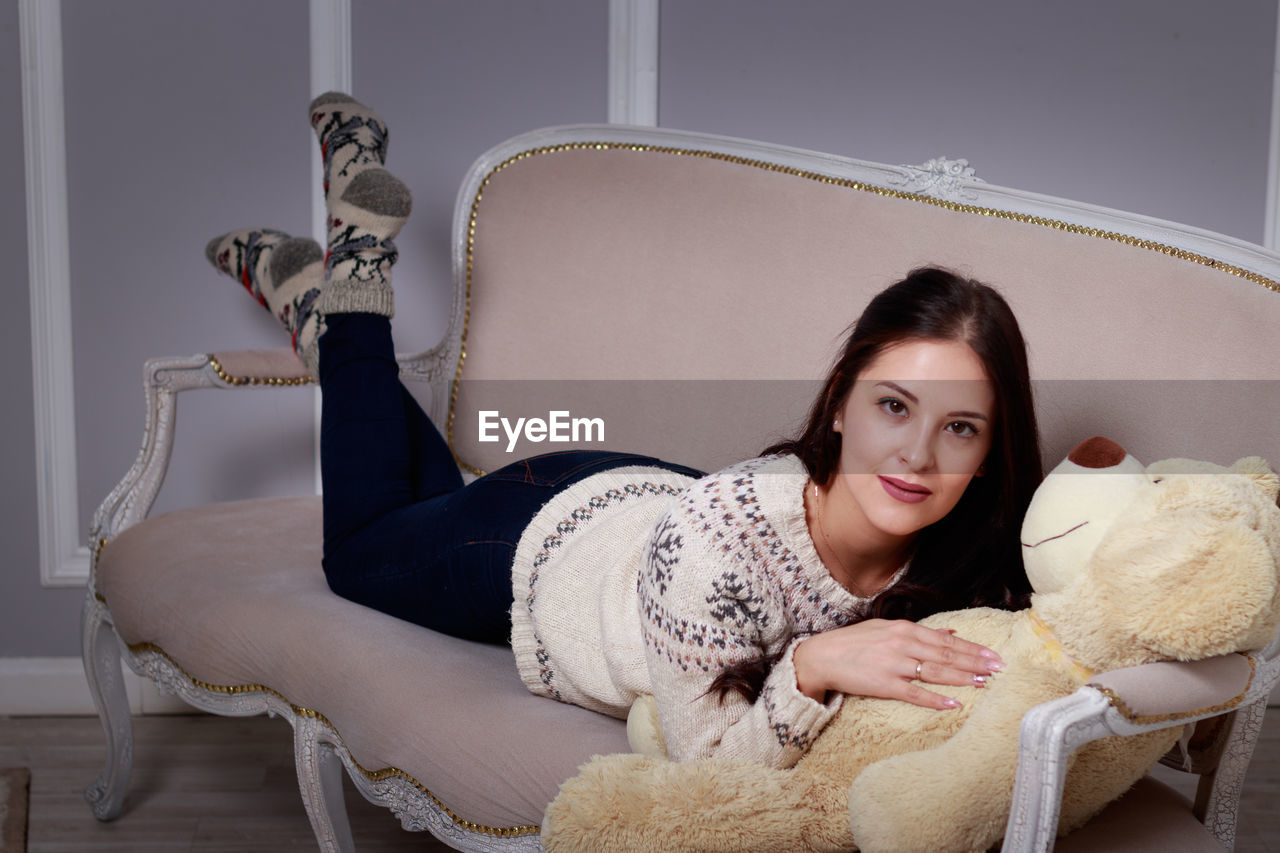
(402, 534)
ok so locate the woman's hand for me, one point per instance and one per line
(888, 659)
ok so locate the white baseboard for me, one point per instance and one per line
(50, 687)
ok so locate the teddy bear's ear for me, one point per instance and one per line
(1188, 586)
(1257, 469)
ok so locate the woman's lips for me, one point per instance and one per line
(901, 490)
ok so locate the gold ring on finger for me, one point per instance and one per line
(919, 666)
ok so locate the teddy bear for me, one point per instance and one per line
(1129, 564)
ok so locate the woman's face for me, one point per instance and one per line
(916, 427)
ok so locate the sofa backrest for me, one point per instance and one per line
(689, 292)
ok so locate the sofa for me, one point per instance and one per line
(688, 292)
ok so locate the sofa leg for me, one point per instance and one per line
(320, 780)
(100, 652)
(1218, 799)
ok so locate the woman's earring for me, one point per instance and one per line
(982, 470)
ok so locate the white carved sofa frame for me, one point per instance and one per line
(690, 242)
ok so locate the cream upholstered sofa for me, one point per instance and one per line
(687, 291)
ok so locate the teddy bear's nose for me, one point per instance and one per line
(1097, 452)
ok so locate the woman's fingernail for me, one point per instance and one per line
(995, 666)
(980, 680)
(989, 654)
(950, 703)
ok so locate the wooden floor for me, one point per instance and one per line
(203, 783)
(200, 783)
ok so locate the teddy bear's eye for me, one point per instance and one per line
(1157, 480)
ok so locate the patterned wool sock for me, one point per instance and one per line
(367, 206)
(371, 211)
(243, 255)
(284, 274)
(352, 136)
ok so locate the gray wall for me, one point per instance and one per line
(1160, 108)
(186, 120)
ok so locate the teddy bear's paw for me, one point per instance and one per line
(632, 802)
(897, 807)
(600, 806)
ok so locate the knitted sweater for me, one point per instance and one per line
(639, 580)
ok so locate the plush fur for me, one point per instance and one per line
(1175, 561)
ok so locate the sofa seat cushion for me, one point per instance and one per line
(1150, 816)
(235, 595)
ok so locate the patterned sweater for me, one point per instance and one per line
(640, 580)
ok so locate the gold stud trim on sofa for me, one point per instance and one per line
(1134, 717)
(371, 775)
(861, 186)
(256, 380)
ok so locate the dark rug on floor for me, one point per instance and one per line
(15, 784)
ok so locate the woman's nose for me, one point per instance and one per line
(917, 452)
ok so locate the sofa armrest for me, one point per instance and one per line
(1124, 702)
(162, 380)
(259, 367)
(283, 367)
(1158, 695)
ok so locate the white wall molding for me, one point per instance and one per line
(331, 70)
(1271, 226)
(633, 62)
(57, 687)
(64, 558)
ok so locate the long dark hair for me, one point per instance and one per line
(971, 557)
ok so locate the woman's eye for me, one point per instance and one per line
(892, 405)
(962, 428)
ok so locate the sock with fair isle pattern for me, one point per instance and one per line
(283, 274)
(367, 206)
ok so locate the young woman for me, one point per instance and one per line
(748, 602)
